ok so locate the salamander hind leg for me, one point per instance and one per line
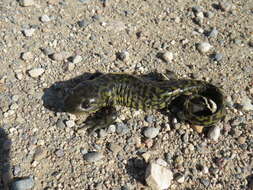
(100, 120)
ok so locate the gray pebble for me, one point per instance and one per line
(27, 56)
(214, 133)
(36, 72)
(77, 59)
(102, 133)
(151, 132)
(167, 56)
(59, 153)
(26, 3)
(70, 123)
(47, 51)
(226, 6)
(197, 9)
(213, 33)
(150, 119)
(93, 156)
(23, 184)
(246, 104)
(122, 128)
(204, 47)
(61, 56)
(84, 1)
(115, 148)
(28, 32)
(209, 14)
(60, 123)
(45, 18)
(16, 170)
(82, 23)
(111, 129)
(83, 151)
(123, 56)
(205, 182)
(218, 56)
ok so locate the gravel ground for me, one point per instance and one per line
(45, 42)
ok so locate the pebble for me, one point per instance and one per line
(218, 56)
(150, 119)
(45, 18)
(214, 133)
(84, 1)
(167, 56)
(16, 170)
(28, 32)
(60, 123)
(23, 184)
(61, 56)
(102, 133)
(93, 156)
(77, 59)
(226, 6)
(209, 14)
(205, 182)
(82, 23)
(123, 56)
(180, 178)
(158, 177)
(47, 51)
(197, 9)
(70, 123)
(26, 3)
(70, 66)
(151, 132)
(114, 148)
(59, 153)
(122, 128)
(111, 129)
(246, 104)
(36, 72)
(27, 56)
(213, 33)
(204, 47)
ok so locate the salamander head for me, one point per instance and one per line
(83, 98)
(206, 109)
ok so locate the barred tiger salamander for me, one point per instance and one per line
(201, 103)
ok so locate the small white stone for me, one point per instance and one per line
(214, 133)
(168, 56)
(71, 66)
(246, 104)
(158, 177)
(200, 15)
(204, 47)
(36, 72)
(70, 123)
(180, 179)
(77, 59)
(124, 55)
(151, 132)
(29, 32)
(61, 56)
(26, 3)
(45, 18)
(27, 56)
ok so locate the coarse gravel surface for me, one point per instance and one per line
(45, 44)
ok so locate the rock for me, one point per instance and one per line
(167, 56)
(61, 56)
(82, 23)
(26, 3)
(151, 132)
(111, 129)
(213, 33)
(23, 184)
(28, 32)
(27, 56)
(77, 59)
(158, 177)
(214, 133)
(36, 72)
(122, 128)
(59, 153)
(70, 123)
(209, 14)
(16, 170)
(123, 56)
(180, 178)
(204, 47)
(45, 18)
(218, 56)
(114, 148)
(246, 104)
(60, 123)
(226, 6)
(93, 156)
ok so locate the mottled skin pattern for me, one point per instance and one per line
(127, 90)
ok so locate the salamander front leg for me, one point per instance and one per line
(100, 120)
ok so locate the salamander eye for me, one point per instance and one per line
(87, 104)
